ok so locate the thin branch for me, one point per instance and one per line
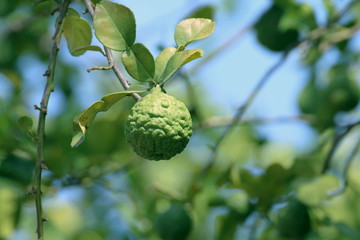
(226, 45)
(99, 68)
(242, 109)
(49, 87)
(110, 57)
(223, 121)
(340, 135)
(347, 164)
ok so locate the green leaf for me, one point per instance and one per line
(316, 191)
(81, 124)
(206, 11)
(78, 34)
(72, 12)
(161, 61)
(178, 60)
(114, 25)
(88, 48)
(25, 123)
(193, 29)
(139, 62)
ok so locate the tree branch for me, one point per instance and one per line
(242, 109)
(49, 87)
(340, 135)
(110, 57)
(346, 170)
(224, 121)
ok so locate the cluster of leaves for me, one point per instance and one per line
(115, 27)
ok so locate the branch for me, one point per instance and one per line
(340, 135)
(224, 121)
(243, 108)
(115, 68)
(346, 170)
(226, 45)
(49, 87)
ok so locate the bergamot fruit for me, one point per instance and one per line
(159, 126)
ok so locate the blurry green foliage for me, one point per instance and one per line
(102, 190)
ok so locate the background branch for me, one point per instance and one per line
(346, 170)
(49, 87)
(110, 57)
(242, 109)
(223, 121)
(339, 136)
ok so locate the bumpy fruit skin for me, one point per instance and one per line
(158, 126)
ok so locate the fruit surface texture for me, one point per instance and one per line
(159, 126)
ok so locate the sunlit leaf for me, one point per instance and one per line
(193, 29)
(114, 25)
(81, 124)
(139, 62)
(77, 32)
(316, 191)
(178, 60)
(162, 60)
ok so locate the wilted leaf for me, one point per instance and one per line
(192, 29)
(78, 34)
(178, 60)
(81, 124)
(161, 61)
(139, 62)
(114, 25)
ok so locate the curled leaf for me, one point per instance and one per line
(81, 124)
(178, 60)
(193, 29)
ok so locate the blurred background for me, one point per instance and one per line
(269, 179)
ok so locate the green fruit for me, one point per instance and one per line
(269, 34)
(309, 99)
(294, 221)
(174, 224)
(158, 126)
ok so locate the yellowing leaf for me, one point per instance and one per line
(192, 29)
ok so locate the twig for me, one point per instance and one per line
(226, 45)
(242, 109)
(346, 170)
(224, 121)
(340, 135)
(110, 57)
(49, 87)
(100, 68)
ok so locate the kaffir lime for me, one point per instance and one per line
(158, 126)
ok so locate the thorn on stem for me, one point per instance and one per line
(46, 73)
(43, 110)
(44, 219)
(31, 192)
(43, 166)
